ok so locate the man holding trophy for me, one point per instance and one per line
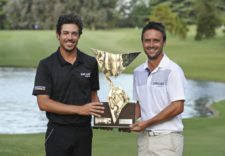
(158, 88)
(66, 86)
(159, 85)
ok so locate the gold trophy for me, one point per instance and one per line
(119, 112)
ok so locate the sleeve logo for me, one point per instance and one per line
(39, 88)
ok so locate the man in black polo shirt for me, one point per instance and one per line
(66, 85)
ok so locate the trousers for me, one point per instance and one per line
(68, 140)
(165, 144)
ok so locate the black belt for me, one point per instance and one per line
(70, 124)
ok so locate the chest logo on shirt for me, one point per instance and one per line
(86, 75)
(158, 83)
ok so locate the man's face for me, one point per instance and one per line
(68, 38)
(153, 43)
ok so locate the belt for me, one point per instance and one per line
(156, 133)
(70, 125)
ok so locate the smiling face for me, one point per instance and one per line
(68, 37)
(153, 43)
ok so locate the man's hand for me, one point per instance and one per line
(93, 108)
(139, 126)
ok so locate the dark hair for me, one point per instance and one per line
(156, 26)
(69, 19)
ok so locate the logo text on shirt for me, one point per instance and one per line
(87, 75)
(39, 88)
(159, 83)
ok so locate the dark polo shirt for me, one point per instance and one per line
(67, 83)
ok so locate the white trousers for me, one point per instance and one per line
(161, 145)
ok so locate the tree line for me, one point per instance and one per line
(106, 14)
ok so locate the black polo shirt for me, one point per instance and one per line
(67, 83)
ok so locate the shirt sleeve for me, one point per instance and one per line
(135, 96)
(176, 85)
(95, 77)
(42, 84)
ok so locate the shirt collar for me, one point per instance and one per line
(79, 59)
(62, 61)
(162, 64)
(164, 61)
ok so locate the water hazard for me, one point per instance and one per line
(20, 113)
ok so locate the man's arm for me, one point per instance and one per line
(94, 96)
(137, 110)
(169, 112)
(93, 108)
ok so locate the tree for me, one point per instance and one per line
(2, 14)
(124, 8)
(44, 13)
(162, 13)
(23, 14)
(133, 13)
(139, 14)
(208, 19)
(17, 13)
(183, 8)
(98, 13)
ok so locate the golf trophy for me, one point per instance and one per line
(119, 112)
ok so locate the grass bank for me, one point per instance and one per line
(201, 60)
(203, 137)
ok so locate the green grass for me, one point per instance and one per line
(22, 145)
(206, 136)
(201, 60)
(203, 137)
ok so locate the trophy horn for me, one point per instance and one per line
(129, 57)
(95, 51)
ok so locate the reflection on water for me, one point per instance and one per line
(201, 94)
(20, 113)
(201, 106)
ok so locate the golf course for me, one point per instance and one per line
(201, 60)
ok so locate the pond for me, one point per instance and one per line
(20, 113)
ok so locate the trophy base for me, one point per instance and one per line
(126, 117)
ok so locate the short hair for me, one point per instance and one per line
(69, 19)
(156, 26)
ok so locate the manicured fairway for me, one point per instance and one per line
(203, 137)
(201, 60)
